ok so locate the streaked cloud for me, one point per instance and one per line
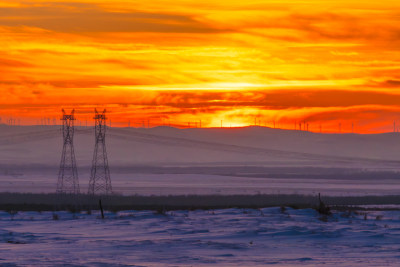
(80, 17)
(287, 61)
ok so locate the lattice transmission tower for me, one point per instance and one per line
(100, 181)
(68, 173)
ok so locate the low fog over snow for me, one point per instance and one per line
(165, 160)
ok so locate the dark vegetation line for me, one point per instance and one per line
(53, 202)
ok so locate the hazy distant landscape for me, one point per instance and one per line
(213, 196)
(171, 161)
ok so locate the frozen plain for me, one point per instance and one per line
(164, 161)
(229, 237)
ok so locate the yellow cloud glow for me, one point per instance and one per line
(284, 61)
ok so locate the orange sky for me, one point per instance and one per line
(322, 62)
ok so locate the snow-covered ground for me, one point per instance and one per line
(163, 161)
(207, 184)
(230, 237)
(251, 160)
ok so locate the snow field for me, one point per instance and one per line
(229, 237)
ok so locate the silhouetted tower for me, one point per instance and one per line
(68, 174)
(100, 181)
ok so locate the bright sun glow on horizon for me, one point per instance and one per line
(316, 63)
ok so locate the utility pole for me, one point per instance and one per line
(68, 173)
(100, 181)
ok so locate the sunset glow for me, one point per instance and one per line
(321, 63)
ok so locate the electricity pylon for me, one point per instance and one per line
(68, 173)
(100, 181)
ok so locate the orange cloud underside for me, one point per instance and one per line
(321, 63)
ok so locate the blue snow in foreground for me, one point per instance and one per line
(229, 237)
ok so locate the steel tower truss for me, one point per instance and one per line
(100, 181)
(68, 174)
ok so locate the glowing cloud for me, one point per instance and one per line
(321, 63)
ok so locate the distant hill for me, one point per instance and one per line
(249, 160)
(257, 146)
